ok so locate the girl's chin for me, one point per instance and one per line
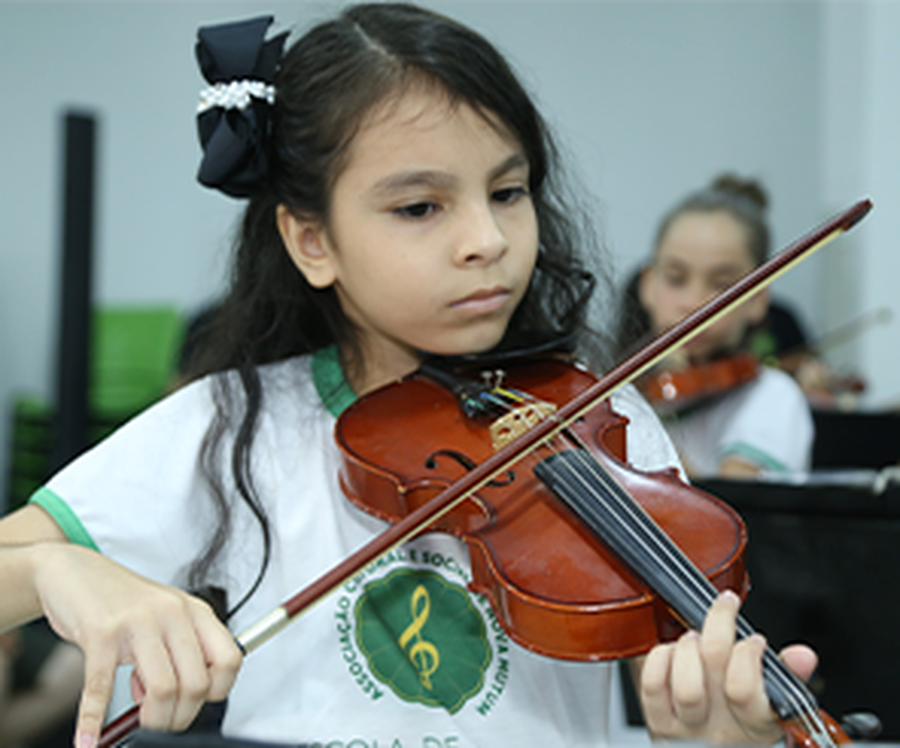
(700, 352)
(465, 345)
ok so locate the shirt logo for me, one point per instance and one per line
(422, 637)
(408, 627)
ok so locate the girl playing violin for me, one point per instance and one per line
(759, 420)
(403, 198)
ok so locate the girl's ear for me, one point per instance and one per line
(308, 246)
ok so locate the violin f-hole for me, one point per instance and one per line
(468, 463)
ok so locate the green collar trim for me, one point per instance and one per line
(328, 378)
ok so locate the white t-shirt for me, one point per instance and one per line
(432, 670)
(766, 422)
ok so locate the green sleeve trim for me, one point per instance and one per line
(63, 515)
(328, 377)
(754, 455)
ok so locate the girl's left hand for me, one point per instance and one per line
(707, 686)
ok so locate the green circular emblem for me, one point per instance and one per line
(423, 637)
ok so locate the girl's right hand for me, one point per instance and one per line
(182, 655)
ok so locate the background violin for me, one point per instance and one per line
(826, 387)
(671, 390)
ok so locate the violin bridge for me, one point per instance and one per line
(517, 421)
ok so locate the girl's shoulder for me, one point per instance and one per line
(773, 378)
(298, 386)
(648, 445)
(285, 376)
(191, 406)
(774, 388)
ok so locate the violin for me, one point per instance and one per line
(671, 390)
(581, 556)
(556, 588)
(532, 477)
(825, 388)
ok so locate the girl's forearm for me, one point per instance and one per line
(29, 538)
(19, 599)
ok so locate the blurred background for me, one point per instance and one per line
(650, 100)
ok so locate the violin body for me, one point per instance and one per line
(796, 733)
(555, 588)
(671, 390)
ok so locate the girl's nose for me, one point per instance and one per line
(693, 298)
(482, 240)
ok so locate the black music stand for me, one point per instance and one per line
(147, 739)
(824, 558)
(824, 564)
(856, 439)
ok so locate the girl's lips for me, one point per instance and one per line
(483, 302)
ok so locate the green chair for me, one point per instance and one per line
(134, 357)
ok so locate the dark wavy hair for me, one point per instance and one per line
(326, 84)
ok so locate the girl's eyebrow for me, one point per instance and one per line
(417, 178)
(516, 161)
(723, 268)
(728, 268)
(429, 178)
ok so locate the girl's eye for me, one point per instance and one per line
(674, 280)
(509, 194)
(721, 283)
(416, 211)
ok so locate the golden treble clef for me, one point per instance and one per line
(422, 654)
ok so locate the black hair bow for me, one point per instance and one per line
(233, 117)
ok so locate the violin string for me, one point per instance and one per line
(703, 592)
(646, 533)
(637, 513)
(794, 693)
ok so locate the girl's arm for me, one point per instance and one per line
(708, 687)
(19, 532)
(182, 655)
(735, 467)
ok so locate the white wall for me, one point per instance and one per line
(652, 99)
(861, 152)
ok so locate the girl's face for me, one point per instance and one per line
(700, 255)
(432, 235)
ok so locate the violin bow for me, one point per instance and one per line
(622, 374)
